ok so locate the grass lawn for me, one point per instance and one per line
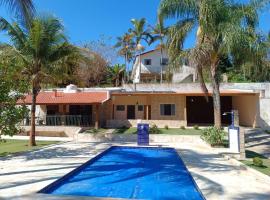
(95, 131)
(14, 146)
(266, 162)
(170, 131)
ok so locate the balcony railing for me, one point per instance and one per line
(60, 120)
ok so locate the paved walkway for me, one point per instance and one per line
(258, 141)
(217, 177)
(38, 138)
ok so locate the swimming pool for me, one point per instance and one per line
(130, 172)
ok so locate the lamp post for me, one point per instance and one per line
(232, 117)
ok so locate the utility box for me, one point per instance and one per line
(143, 134)
(234, 139)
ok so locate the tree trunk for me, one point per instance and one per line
(161, 64)
(32, 139)
(216, 96)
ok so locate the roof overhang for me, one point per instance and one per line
(56, 98)
(231, 92)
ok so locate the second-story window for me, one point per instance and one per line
(164, 61)
(147, 61)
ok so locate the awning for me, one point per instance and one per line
(51, 98)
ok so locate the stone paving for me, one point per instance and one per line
(217, 177)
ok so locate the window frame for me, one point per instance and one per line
(164, 63)
(172, 111)
(122, 108)
(142, 108)
(145, 61)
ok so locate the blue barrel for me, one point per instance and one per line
(143, 134)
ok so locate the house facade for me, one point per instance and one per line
(149, 66)
(172, 105)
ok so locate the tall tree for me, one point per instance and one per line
(37, 48)
(11, 89)
(115, 74)
(223, 27)
(126, 48)
(140, 33)
(22, 8)
(159, 33)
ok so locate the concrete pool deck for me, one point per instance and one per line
(216, 176)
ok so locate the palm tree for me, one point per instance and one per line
(220, 30)
(126, 48)
(159, 32)
(116, 73)
(139, 33)
(23, 8)
(37, 49)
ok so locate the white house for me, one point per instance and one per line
(149, 65)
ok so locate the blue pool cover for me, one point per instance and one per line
(130, 172)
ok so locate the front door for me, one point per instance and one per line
(130, 112)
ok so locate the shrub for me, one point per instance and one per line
(166, 127)
(182, 127)
(154, 129)
(257, 162)
(213, 136)
(196, 127)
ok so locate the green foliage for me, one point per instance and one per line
(183, 127)
(257, 162)
(196, 127)
(214, 136)
(154, 129)
(115, 74)
(11, 89)
(166, 127)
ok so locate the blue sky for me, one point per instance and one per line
(87, 20)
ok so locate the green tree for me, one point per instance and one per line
(159, 33)
(11, 89)
(224, 27)
(126, 47)
(116, 74)
(139, 34)
(37, 48)
(22, 8)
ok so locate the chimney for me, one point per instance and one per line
(55, 92)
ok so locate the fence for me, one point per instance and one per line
(60, 120)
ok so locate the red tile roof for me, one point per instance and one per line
(46, 98)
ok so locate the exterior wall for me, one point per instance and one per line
(248, 108)
(128, 100)
(264, 118)
(154, 68)
(120, 117)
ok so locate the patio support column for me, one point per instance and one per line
(147, 112)
(97, 117)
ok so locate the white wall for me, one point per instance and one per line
(155, 66)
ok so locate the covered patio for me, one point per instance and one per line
(67, 109)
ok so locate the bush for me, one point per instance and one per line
(213, 136)
(183, 127)
(196, 127)
(258, 162)
(166, 127)
(154, 129)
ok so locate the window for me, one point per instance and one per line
(147, 61)
(164, 61)
(52, 110)
(120, 108)
(140, 107)
(167, 109)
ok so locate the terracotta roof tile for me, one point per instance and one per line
(67, 98)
